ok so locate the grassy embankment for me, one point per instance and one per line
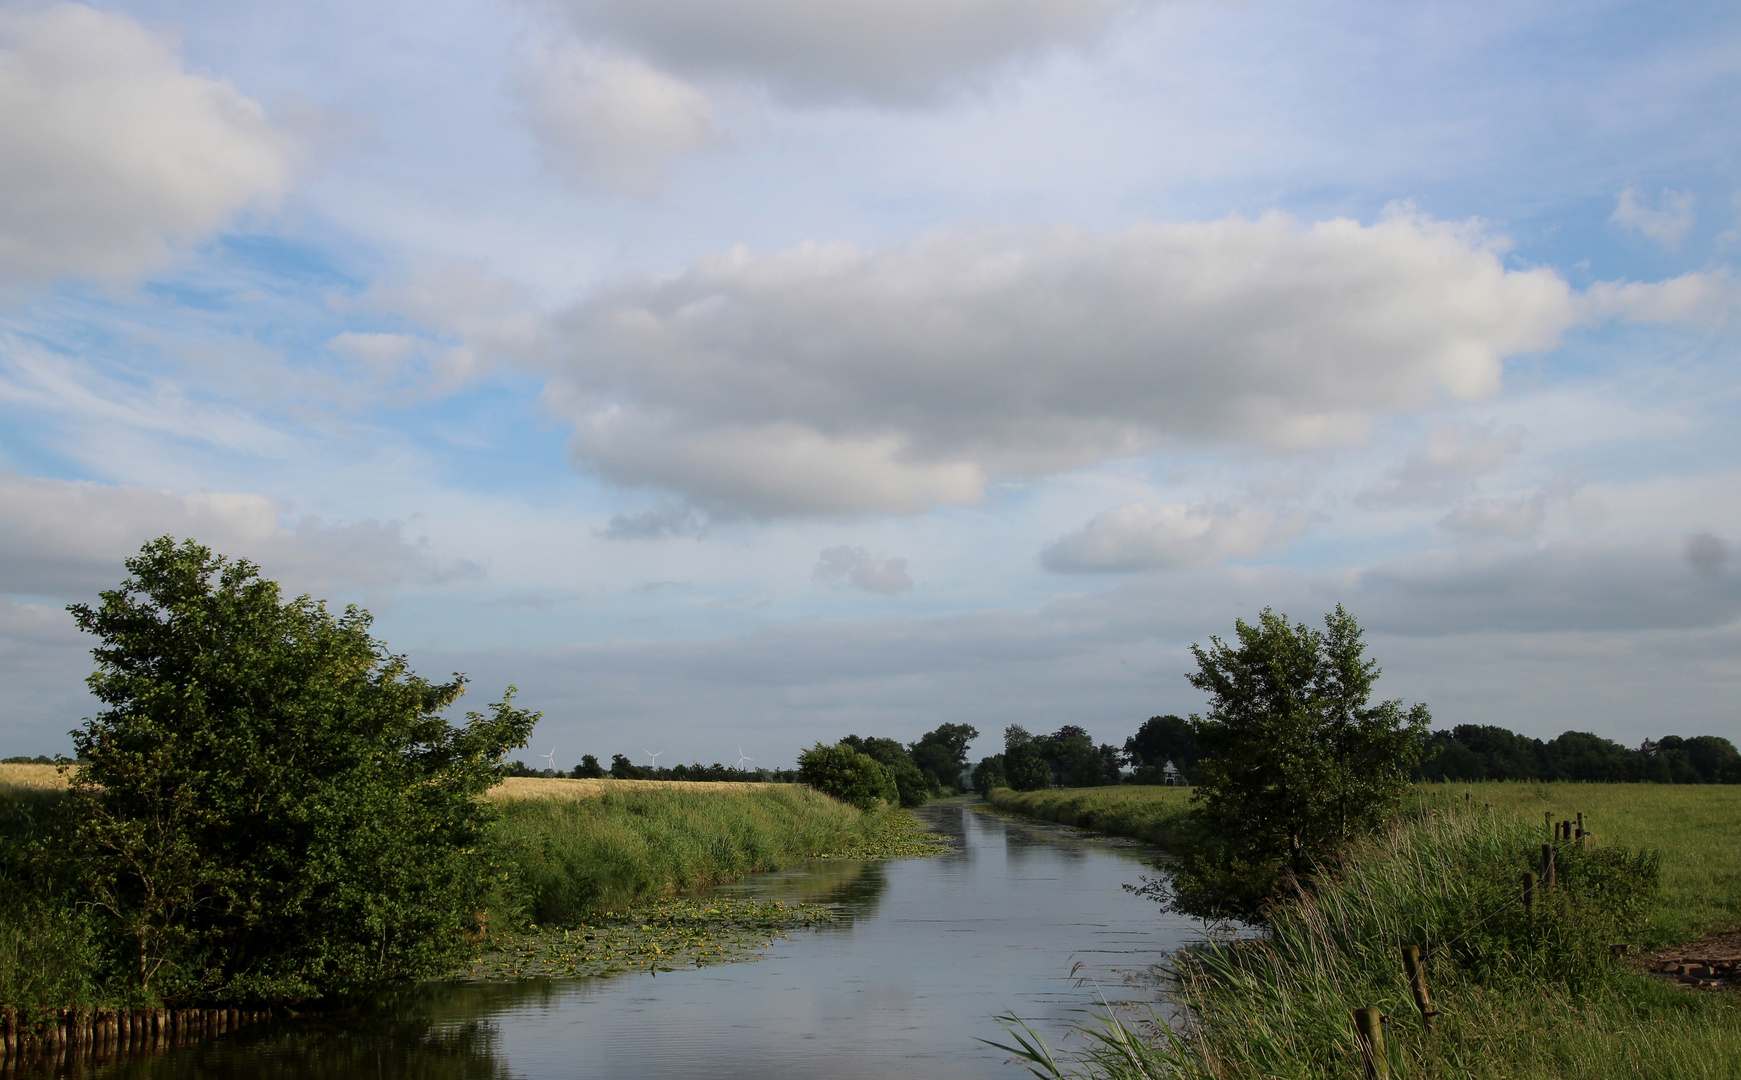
(607, 856)
(1518, 995)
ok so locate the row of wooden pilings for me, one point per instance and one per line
(1369, 1022)
(98, 1035)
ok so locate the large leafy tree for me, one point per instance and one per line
(941, 754)
(1296, 759)
(271, 806)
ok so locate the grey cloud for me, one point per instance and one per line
(1138, 537)
(1707, 553)
(1514, 517)
(830, 379)
(68, 538)
(1595, 636)
(667, 519)
(110, 151)
(1445, 467)
(890, 51)
(850, 565)
(1553, 658)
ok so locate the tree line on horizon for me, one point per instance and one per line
(1473, 752)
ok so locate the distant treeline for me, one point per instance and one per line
(1483, 752)
(1467, 752)
(624, 769)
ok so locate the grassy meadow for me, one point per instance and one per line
(1696, 828)
(1518, 995)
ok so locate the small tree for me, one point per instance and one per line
(847, 775)
(989, 774)
(1295, 761)
(271, 806)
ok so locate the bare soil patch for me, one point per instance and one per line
(1710, 964)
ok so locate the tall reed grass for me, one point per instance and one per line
(1519, 994)
(563, 858)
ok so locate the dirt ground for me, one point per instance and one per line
(1710, 964)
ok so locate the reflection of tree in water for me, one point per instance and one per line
(436, 1032)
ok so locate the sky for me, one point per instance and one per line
(730, 375)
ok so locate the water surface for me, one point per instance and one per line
(1021, 917)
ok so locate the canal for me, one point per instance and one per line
(1020, 917)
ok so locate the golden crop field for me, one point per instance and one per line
(31, 778)
(539, 787)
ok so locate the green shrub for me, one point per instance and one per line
(848, 775)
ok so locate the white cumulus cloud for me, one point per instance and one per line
(854, 566)
(835, 379)
(898, 51)
(1139, 537)
(614, 122)
(111, 152)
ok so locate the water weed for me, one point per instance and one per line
(662, 935)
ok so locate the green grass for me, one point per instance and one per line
(1519, 996)
(567, 858)
(1696, 828)
(1154, 814)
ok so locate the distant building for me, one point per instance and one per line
(1171, 774)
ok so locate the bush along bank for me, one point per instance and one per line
(1511, 975)
(593, 886)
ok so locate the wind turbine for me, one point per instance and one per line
(551, 758)
(742, 757)
(654, 756)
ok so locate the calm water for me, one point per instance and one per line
(1018, 920)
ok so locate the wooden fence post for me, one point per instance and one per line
(1369, 1027)
(1528, 892)
(1411, 964)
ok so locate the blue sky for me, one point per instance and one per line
(740, 374)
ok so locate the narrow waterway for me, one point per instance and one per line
(1023, 918)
